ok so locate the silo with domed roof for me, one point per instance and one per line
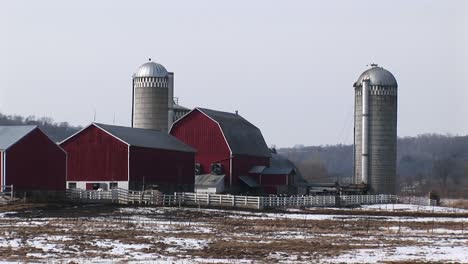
(153, 93)
(375, 130)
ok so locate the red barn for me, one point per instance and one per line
(282, 176)
(228, 144)
(106, 157)
(30, 160)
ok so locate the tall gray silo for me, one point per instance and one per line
(153, 93)
(375, 130)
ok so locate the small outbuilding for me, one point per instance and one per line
(30, 160)
(281, 177)
(209, 183)
(106, 157)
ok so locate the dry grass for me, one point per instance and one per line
(456, 203)
(227, 235)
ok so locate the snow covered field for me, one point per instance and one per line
(107, 234)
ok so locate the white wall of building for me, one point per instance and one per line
(82, 184)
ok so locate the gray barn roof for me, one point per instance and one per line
(9, 135)
(146, 138)
(280, 165)
(242, 137)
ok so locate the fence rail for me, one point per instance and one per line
(6, 194)
(123, 196)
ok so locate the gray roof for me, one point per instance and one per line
(242, 137)
(179, 107)
(146, 138)
(9, 135)
(249, 181)
(208, 180)
(151, 69)
(257, 169)
(279, 164)
(377, 76)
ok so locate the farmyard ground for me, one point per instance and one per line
(105, 234)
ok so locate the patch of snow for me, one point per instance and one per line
(426, 253)
(412, 208)
(176, 244)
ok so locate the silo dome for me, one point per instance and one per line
(377, 76)
(151, 69)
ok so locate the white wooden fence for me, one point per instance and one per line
(122, 196)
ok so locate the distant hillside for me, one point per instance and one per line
(426, 162)
(56, 131)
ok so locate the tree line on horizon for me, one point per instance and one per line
(428, 162)
(57, 131)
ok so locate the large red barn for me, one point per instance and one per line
(229, 141)
(30, 160)
(105, 157)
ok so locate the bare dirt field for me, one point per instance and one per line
(43, 233)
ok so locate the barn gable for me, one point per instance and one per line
(9, 135)
(31, 161)
(242, 136)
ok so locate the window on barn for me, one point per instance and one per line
(72, 185)
(113, 185)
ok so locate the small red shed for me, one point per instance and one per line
(281, 177)
(105, 157)
(30, 160)
(226, 143)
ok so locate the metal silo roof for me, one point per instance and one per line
(377, 76)
(151, 69)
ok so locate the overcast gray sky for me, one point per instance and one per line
(287, 66)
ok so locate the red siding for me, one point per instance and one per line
(241, 165)
(95, 155)
(203, 134)
(36, 163)
(159, 166)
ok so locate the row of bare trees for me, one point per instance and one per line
(428, 162)
(57, 131)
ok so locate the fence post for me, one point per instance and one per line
(208, 198)
(11, 194)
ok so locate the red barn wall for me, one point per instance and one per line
(242, 164)
(203, 134)
(160, 166)
(36, 163)
(94, 155)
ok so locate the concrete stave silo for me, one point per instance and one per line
(153, 92)
(375, 130)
